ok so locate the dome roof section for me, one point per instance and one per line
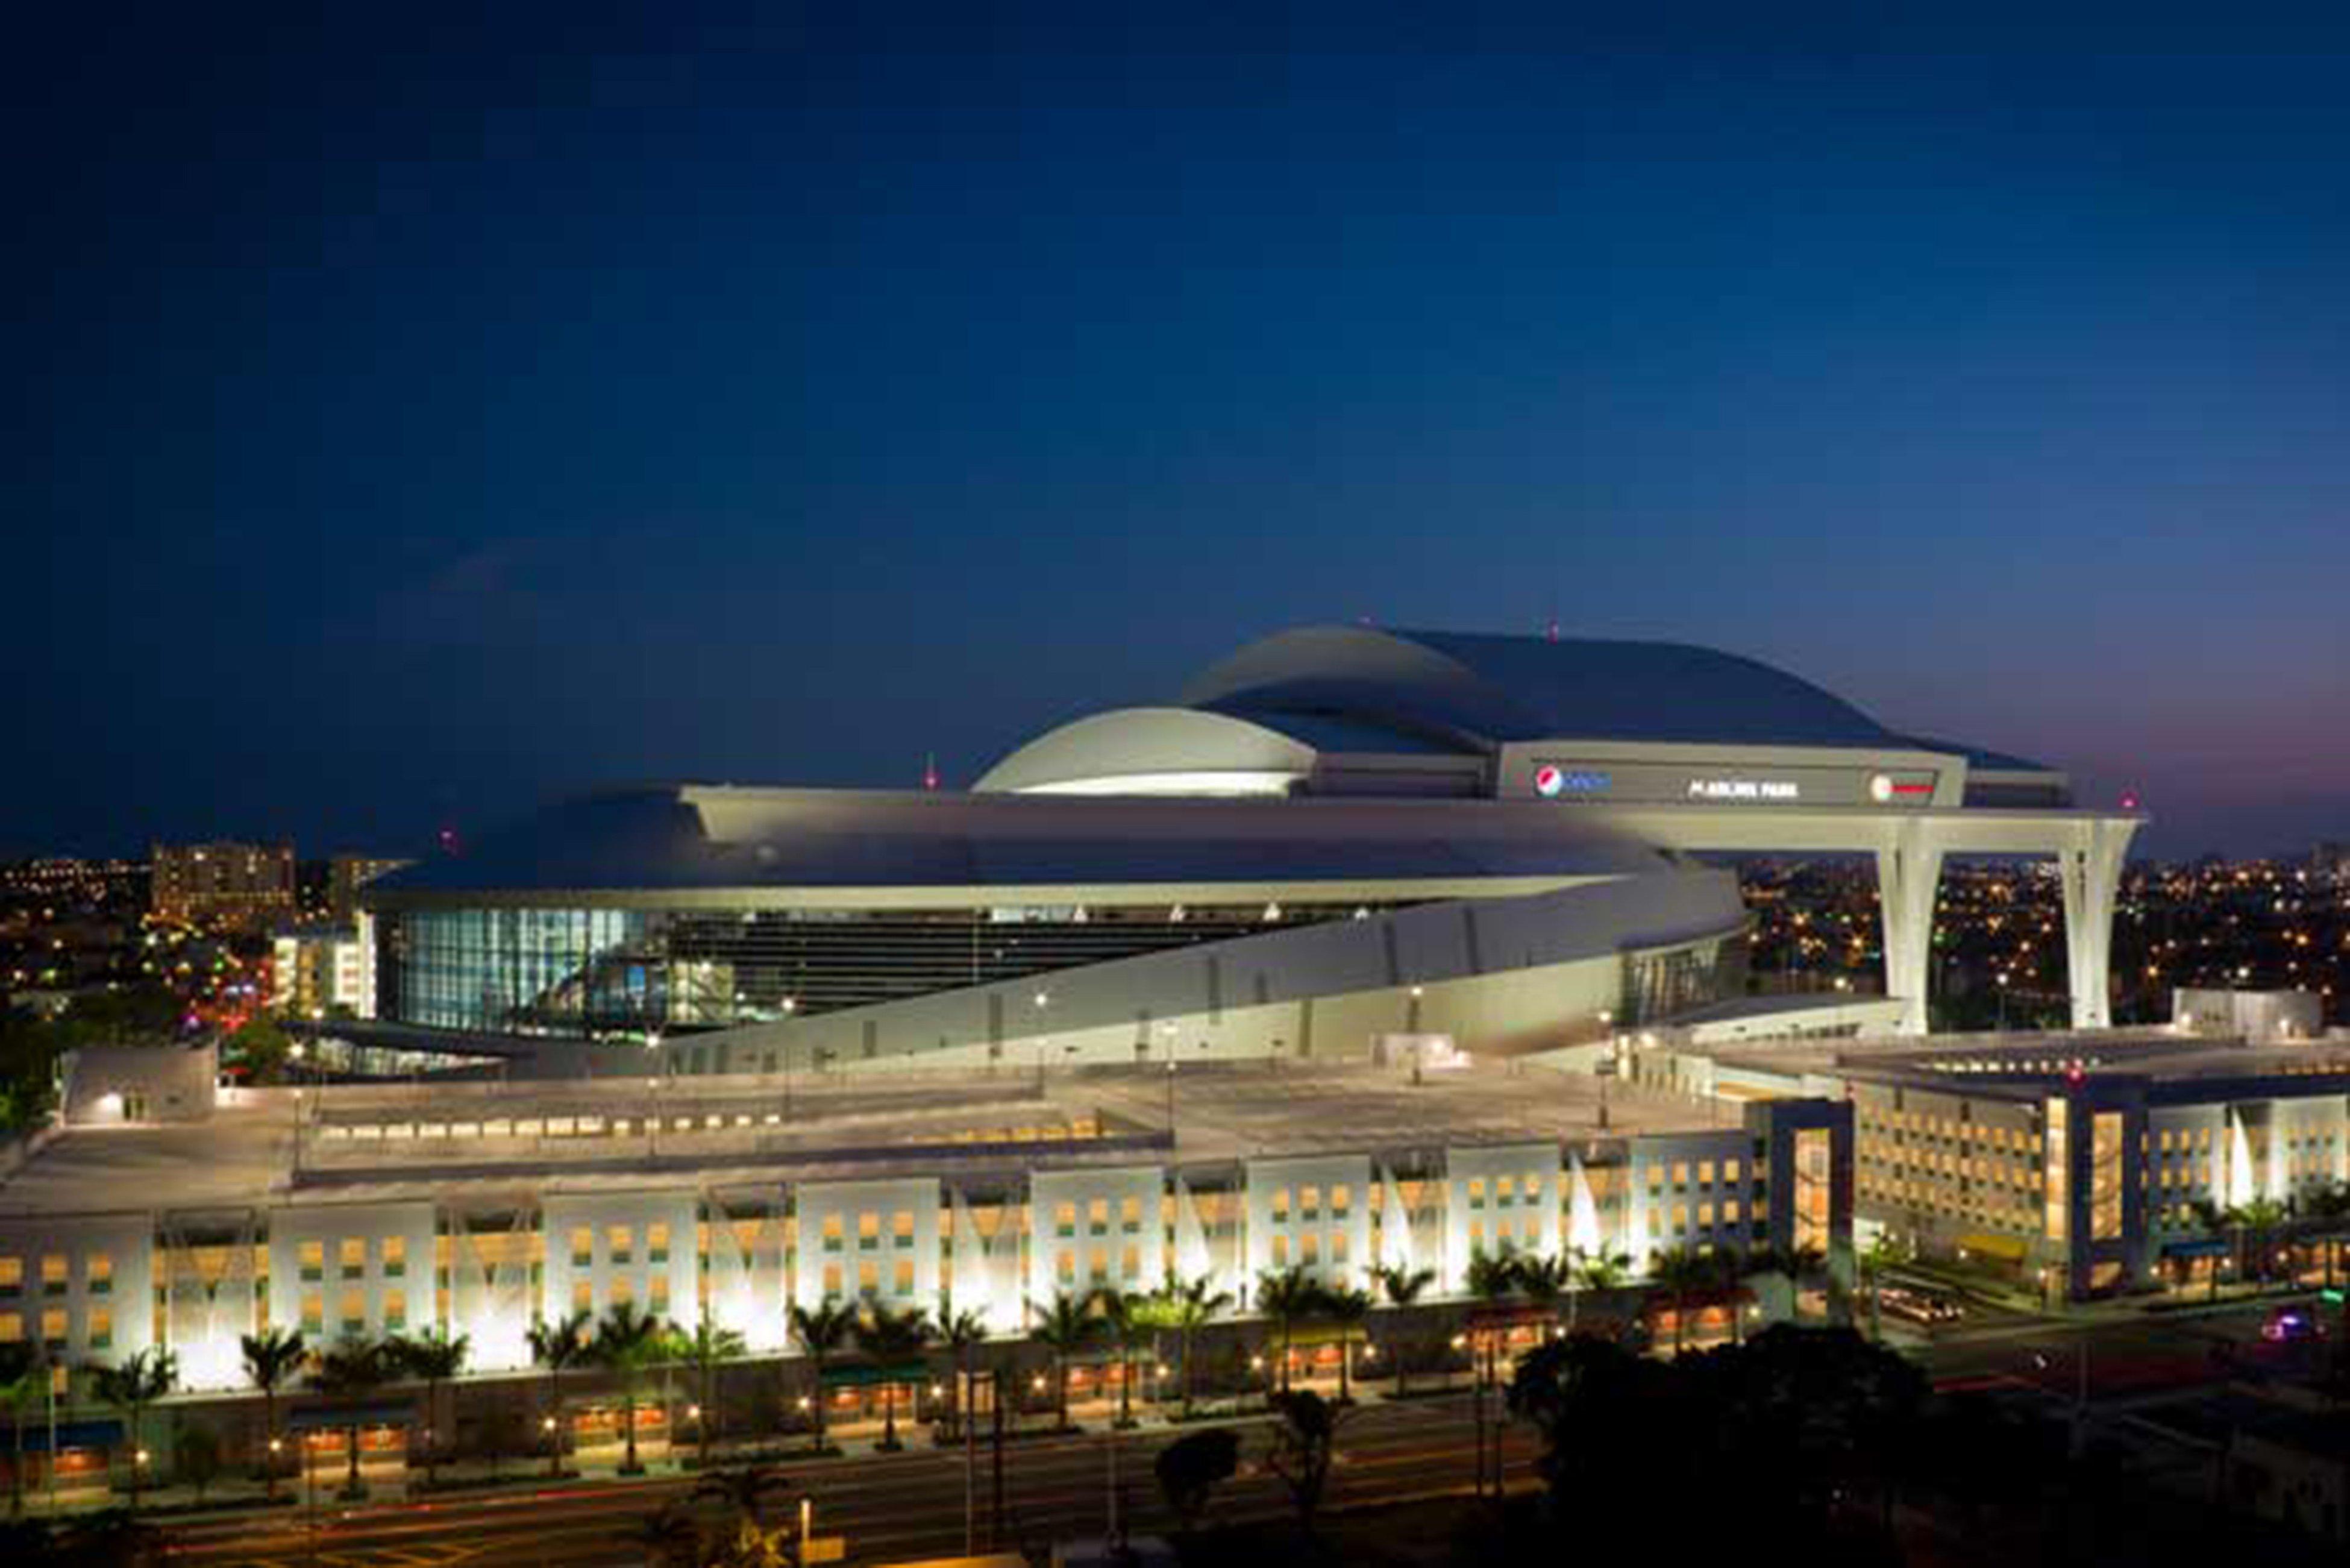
(1161, 751)
(647, 843)
(1486, 690)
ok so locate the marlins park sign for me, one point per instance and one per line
(1652, 782)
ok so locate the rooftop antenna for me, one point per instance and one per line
(1550, 631)
(929, 770)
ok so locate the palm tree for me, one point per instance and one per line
(558, 1346)
(889, 1337)
(2255, 1220)
(743, 1490)
(271, 1357)
(131, 1387)
(1599, 1269)
(1493, 1276)
(1683, 1274)
(435, 1356)
(1882, 1254)
(1186, 1306)
(668, 1537)
(348, 1371)
(1303, 1444)
(962, 1333)
(705, 1350)
(1127, 1319)
(22, 1377)
(1066, 1326)
(1287, 1298)
(629, 1340)
(822, 1330)
(1542, 1280)
(1345, 1307)
(1403, 1288)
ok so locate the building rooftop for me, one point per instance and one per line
(2172, 1066)
(381, 1143)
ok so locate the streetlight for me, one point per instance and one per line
(1043, 1000)
(791, 1007)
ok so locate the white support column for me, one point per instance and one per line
(2090, 870)
(1909, 872)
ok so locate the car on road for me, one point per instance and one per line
(1923, 1307)
(2287, 1324)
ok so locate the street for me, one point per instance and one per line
(909, 1506)
(887, 1507)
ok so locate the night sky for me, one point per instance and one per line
(412, 421)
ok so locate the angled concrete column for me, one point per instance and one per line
(2089, 868)
(1908, 870)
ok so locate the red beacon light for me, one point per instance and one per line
(2129, 800)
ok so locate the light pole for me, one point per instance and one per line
(791, 1007)
(1043, 1000)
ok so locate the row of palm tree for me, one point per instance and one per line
(629, 1341)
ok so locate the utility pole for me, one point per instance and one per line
(1477, 1403)
(995, 1516)
(969, 1462)
(1113, 1538)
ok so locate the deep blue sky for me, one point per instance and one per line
(413, 421)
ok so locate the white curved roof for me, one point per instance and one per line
(1154, 750)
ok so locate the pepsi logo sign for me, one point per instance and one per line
(1552, 781)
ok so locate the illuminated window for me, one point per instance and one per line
(12, 1273)
(53, 1327)
(868, 1277)
(1097, 1215)
(53, 1274)
(902, 1277)
(395, 1256)
(98, 1270)
(12, 1327)
(656, 1242)
(353, 1256)
(395, 1309)
(583, 1246)
(619, 1243)
(902, 1227)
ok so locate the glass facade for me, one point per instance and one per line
(523, 970)
(1658, 985)
(608, 971)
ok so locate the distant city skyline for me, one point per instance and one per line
(413, 435)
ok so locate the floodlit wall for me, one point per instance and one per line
(876, 1241)
(1094, 1230)
(488, 1266)
(1313, 1214)
(363, 1270)
(605, 1248)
